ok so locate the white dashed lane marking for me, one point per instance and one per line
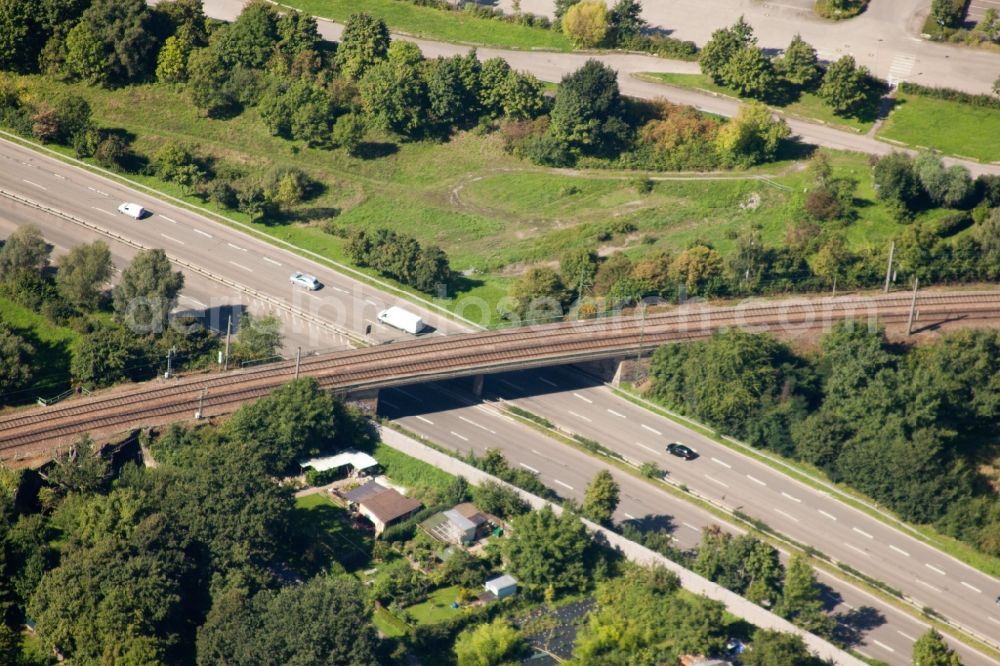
(723, 463)
(564, 485)
(529, 468)
(862, 533)
(787, 515)
(425, 420)
(935, 569)
(203, 233)
(828, 515)
(756, 480)
(899, 550)
(652, 430)
(29, 182)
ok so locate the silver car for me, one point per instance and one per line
(305, 280)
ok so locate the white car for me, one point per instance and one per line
(132, 210)
(305, 280)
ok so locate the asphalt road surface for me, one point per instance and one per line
(944, 65)
(224, 252)
(446, 414)
(885, 38)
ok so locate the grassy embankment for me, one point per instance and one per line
(492, 213)
(53, 347)
(448, 26)
(950, 127)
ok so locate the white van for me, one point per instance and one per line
(132, 210)
(402, 319)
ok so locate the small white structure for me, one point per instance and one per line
(501, 586)
(358, 462)
(402, 319)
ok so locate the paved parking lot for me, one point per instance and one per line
(977, 8)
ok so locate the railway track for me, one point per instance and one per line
(34, 432)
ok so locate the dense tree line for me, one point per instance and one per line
(125, 332)
(176, 565)
(731, 58)
(902, 426)
(400, 256)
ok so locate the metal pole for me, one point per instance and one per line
(170, 353)
(298, 358)
(201, 403)
(642, 333)
(229, 330)
(913, 306)
(834, 285)
(888, 268)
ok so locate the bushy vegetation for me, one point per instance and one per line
(906, 427)
(121, 334)
(732, 59)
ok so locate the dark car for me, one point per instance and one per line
(681, 451)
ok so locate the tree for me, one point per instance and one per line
(699, 269)
(450, 101)
(846, 87)
(750, 73)
(81, 469)
(21, 38)
(586, 23)
(947, 14)
(601, 498)
(774, 648)
(250, 40)
(932, 650)
(801, 601)
(722, 46)
(326, 620)
(15, 361)
(492, 644)
(492, 497)
(363, 44)
(349, 131)
(431, 270)
(799, 65)
(625, 22)
(112, 152)
(147, 292)
(257, 338)
(588, 112)
(537, 295)
(563, 6)
(752, 136)
(522, 96)
(110, 353)
(176, 163)
(493, 78)
(118, 600)
(24, 251)
(82, 272)
(207, 82)
(948, 187)
(895, 180)
(577, 269)
(640, 619)
(123, 30)
(85, 58)
(297, 419)
(394, 94)
(172, 61)
(545, 549)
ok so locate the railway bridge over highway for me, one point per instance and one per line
(31, 436)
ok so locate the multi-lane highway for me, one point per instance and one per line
(951, 588)
(230, 255)
(444, 413)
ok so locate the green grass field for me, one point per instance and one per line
(437, 607)
(53, 349)
(808, 106)
(438, 24)
(323, 538)
(950, 127)
(494, 215)
(410, 472)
